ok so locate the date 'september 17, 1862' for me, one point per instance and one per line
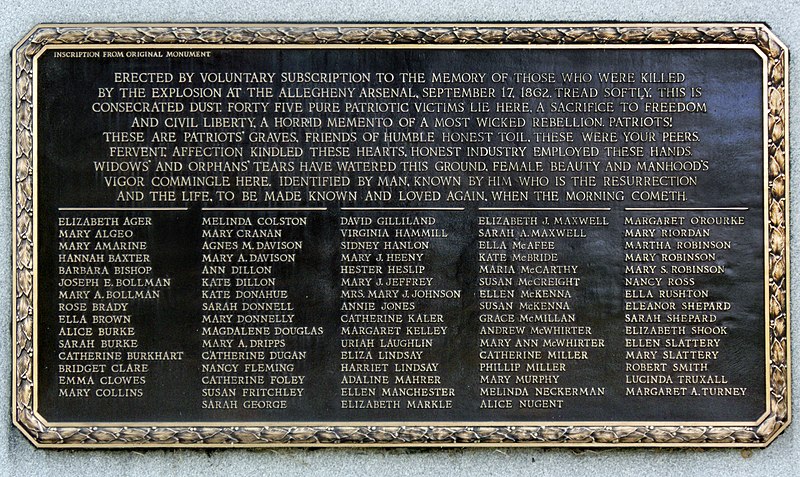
(320, 235)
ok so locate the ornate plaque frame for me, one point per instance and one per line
(35, 428)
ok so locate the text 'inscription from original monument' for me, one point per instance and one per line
(401, 235)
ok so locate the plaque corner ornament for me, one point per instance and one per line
(43, 36)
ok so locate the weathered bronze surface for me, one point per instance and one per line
(551, 235)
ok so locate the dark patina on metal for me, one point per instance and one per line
(456, 372)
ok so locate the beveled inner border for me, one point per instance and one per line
(756, 36)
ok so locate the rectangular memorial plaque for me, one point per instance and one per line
(446, 235)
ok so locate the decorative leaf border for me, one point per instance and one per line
(642, 435)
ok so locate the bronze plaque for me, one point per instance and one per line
(548, 235)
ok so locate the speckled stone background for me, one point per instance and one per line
(19, 458)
